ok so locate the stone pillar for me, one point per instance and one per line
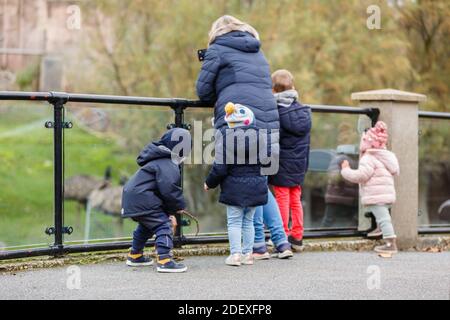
(399, 110)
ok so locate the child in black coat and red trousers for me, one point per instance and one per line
(295, 127)
(151, 197)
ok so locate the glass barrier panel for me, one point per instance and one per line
(100, 156)
(328, 200)
(26, 174)
(101, 152)
(204, 205)
(434, 173)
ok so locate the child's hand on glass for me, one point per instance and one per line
(345, 164)
(205, 186)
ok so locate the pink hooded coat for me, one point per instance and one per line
(375, 175)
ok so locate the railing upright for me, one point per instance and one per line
(179, 123)
(58, 100)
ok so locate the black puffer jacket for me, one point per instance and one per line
(295, 122)
(156, 186)
(241, 185)
(236, 70)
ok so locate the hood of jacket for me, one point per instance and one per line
(388, 159)
(286, 98)
(239, 40)
(163, 148)
(152, 152)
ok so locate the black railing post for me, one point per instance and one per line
(374, 114)
(179, 123)
(58, 99)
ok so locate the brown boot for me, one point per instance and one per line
(390, 247)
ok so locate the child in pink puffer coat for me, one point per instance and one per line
(377, 168)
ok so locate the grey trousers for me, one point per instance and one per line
(381, 213)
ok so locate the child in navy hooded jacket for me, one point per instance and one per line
(243, 187)
(295, 123)
(152, 195)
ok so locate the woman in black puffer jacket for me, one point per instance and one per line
(236, 70)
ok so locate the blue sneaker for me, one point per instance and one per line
(170, 266)
(283, 251)
(138, 260)
(286, 254)
(260, 251)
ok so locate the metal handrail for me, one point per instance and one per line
(149, 101)
(434, 115)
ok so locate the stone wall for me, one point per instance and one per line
(33, 29)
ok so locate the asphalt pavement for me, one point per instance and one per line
(310, 275)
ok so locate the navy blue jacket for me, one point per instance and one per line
(156, 187)
(295, 122)
(235, 70)
(241, 185)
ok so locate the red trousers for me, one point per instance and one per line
(289, 198)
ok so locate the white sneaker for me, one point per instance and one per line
(234, 260)
(247, 259)
(269, 243)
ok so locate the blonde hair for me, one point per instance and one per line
(282, 80)
(226, 24)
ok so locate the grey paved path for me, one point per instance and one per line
(324, 275)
